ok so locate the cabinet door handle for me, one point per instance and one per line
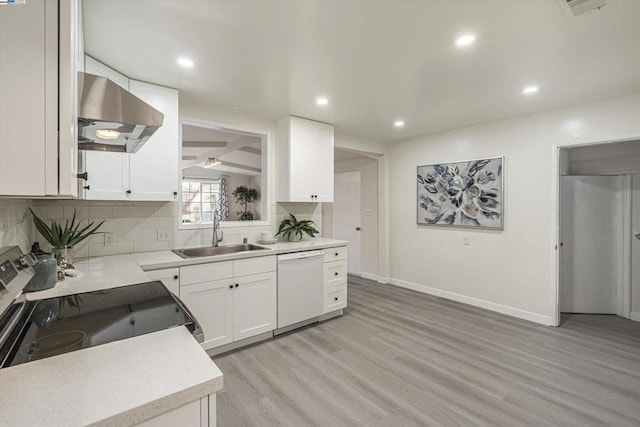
(128, 191)
(237, 285)
(230, 286)
(87, 187)
(336, 253)
(176, 277)
(83, 175)
(175, 193)
(336, 273)
(335, 299)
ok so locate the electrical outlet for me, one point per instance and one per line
(108, 239)
(467, 240)
(163, 235)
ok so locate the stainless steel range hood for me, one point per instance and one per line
(112, 119)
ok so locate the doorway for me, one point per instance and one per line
(591, 232)
(355, 215)
(346, 216)
(599, 229)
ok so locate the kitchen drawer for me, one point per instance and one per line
(247, 266)
(335, 273)
(335, 300)
(205, 272)
(170, 277)
(335, 254)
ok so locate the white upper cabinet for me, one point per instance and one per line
(152, 172)
(305, 160)
(39, 41)
(92, 66)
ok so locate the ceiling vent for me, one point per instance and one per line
(578, 7)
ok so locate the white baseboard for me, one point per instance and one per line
(515, 312)
(635, 316)
(369, 276)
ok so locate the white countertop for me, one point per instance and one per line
(119, 383)
(166, 259)
(116, 384)
(97, 274)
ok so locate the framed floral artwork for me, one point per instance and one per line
(462, 194)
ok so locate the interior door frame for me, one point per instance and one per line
(624, 281)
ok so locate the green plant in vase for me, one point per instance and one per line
(292, 229)
(63, 237)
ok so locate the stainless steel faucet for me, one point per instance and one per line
(216, 224)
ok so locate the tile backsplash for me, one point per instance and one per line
(16, 227)
(135, 226)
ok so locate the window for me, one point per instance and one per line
(199, 200)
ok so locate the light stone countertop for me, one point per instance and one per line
(166, 259)
(116, 384)
(96, 274)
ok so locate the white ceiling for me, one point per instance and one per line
(376, 61)
(239, 153)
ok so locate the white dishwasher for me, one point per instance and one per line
(300, 288)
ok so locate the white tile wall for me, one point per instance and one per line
(15, 223)
(134, 226)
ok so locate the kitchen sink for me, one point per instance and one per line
(218, 250)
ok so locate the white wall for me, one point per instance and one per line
(512, 271)
(15, 223)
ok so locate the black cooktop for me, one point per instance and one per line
(59, 325)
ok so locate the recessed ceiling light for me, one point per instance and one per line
(398, 123)
(529, 90)
(322, 101)
(185, 62)
(465, 40)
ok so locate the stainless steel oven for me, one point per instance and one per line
(32, 330)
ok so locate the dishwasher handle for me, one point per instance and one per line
(299, 255)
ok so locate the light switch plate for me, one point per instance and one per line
(467, 240)
(108, 239)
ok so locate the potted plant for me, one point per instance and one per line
(63, 238)
(245, 195)
(292, 229)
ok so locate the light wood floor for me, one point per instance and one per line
(402, 358)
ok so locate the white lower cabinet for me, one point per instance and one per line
(231, 300)
(335, 279)
(199, 413)
(170, 277)
(254, 305)
(212, 305)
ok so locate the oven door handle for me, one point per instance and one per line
(11, 323)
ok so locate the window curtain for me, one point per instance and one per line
(223, 205)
